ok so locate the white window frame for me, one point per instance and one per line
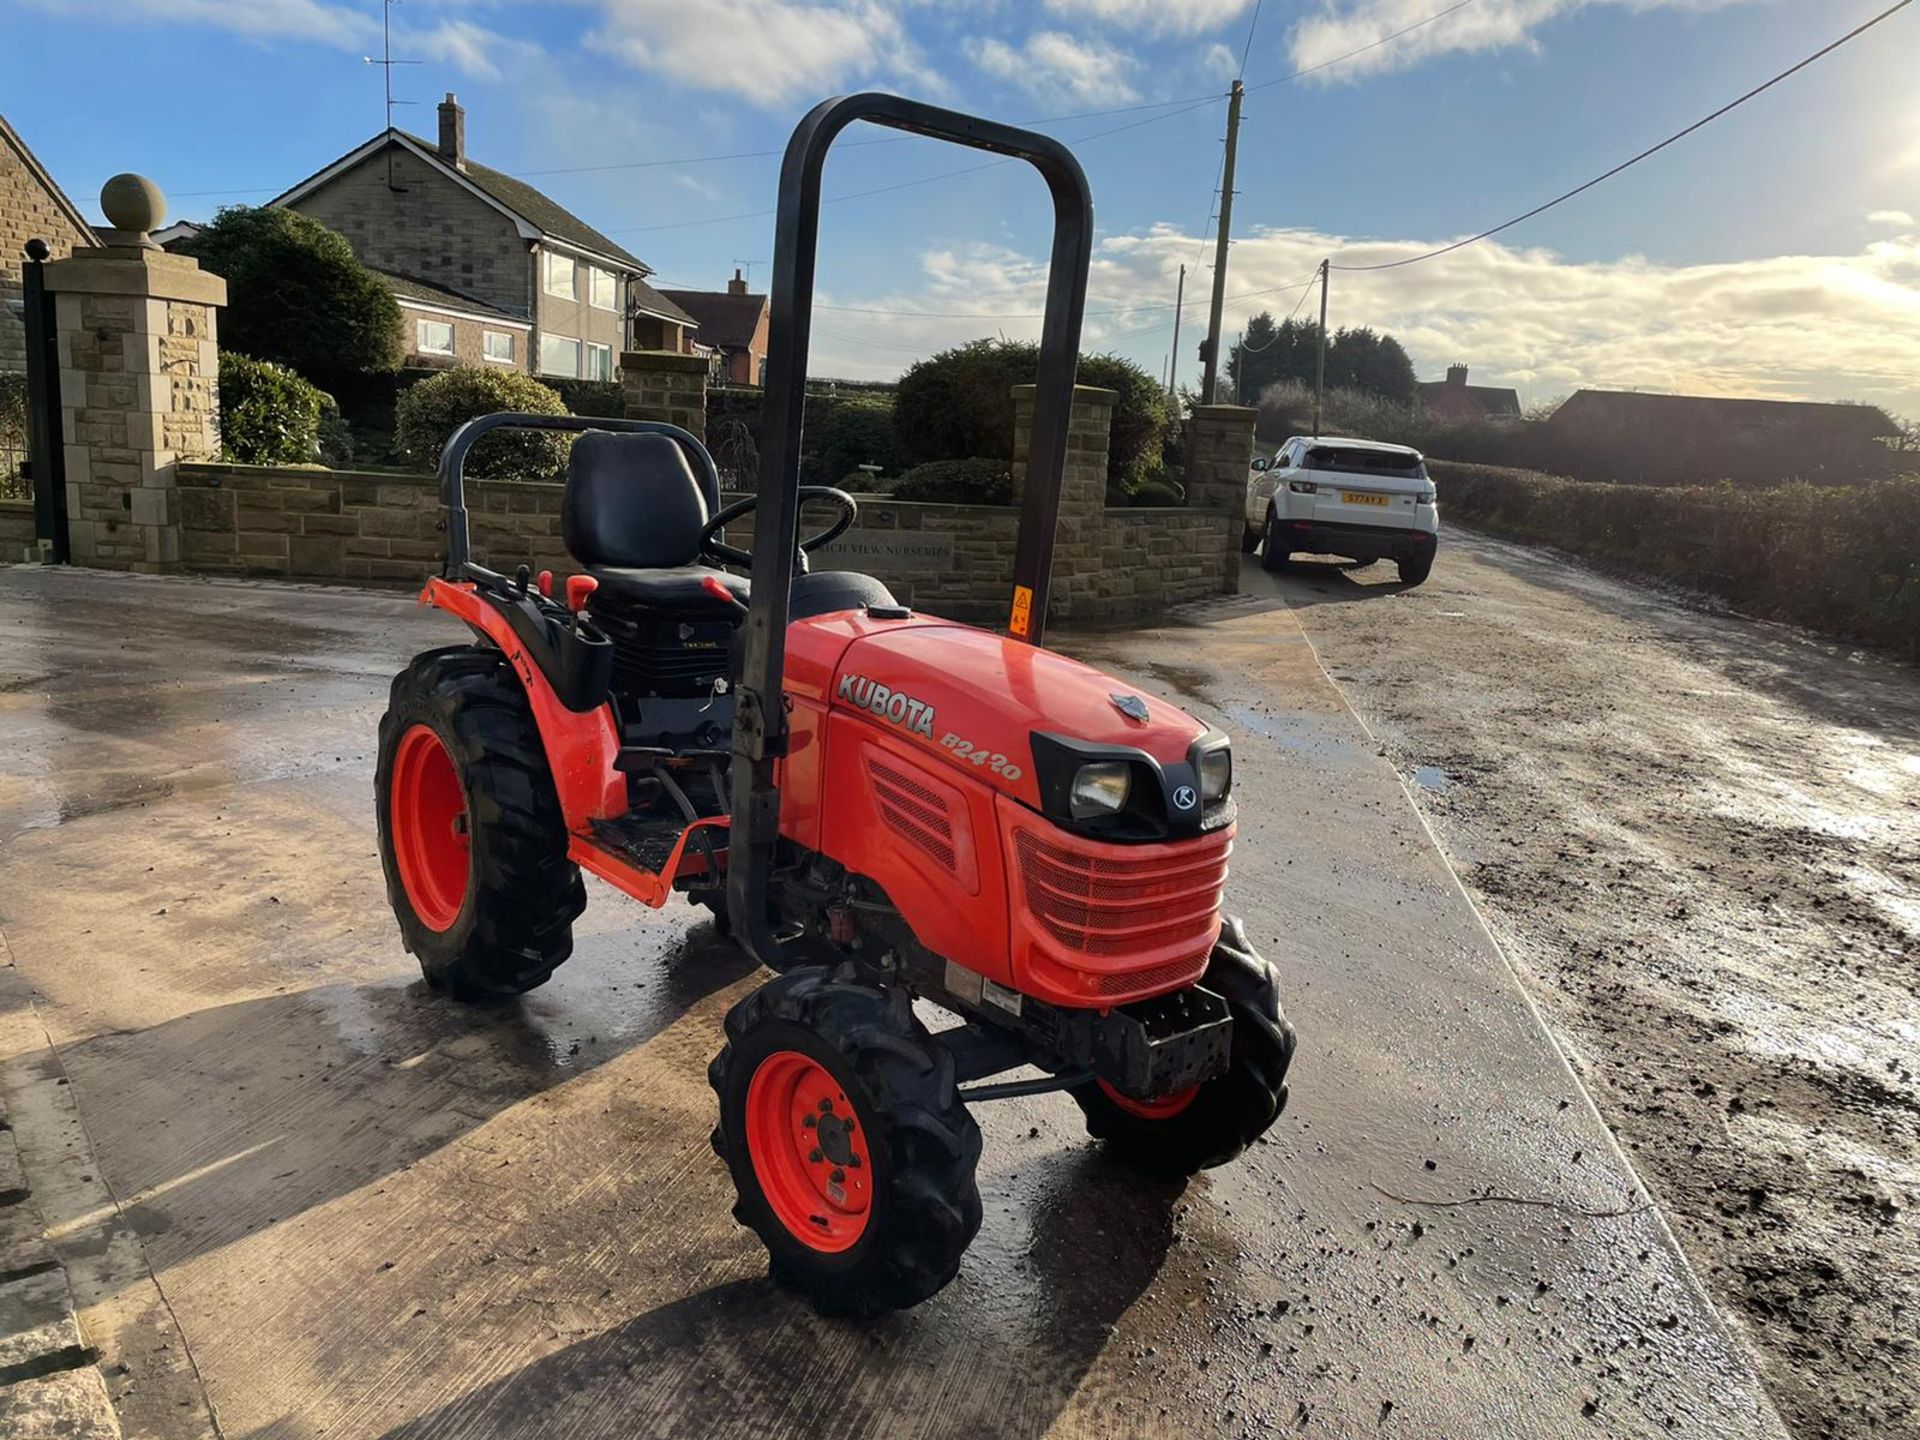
(546, 340)
(594, 276)
(420, 344)
(589, 369)
(487, 337)
(551, 262)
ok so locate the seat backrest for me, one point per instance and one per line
(632, 501)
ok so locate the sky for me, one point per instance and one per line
(1774, 254)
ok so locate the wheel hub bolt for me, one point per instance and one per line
(816, 1157)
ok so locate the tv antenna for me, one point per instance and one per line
(386, 62)
(745, 267)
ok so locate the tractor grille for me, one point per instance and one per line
(1161, 913)
(914, 810)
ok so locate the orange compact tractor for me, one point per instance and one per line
(881, 806)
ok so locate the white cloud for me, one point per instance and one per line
(1344, 26)
(333, 24)
(1056, 66)
(770, 52)
(1824, 327)
(1892, 219)
(472, 49)
(1155, 17)
(1220, 60)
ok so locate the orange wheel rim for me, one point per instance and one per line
(428, 815)
(809, 1152)
(1165, 1108)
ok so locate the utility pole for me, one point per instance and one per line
(1173, 365)
(1212, 375)
(1320, 365)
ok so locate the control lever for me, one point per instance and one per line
(520, 579)
(579, 587)
(545, 583)
(717, 588)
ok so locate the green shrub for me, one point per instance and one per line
(297, 294)
(982, 481)
(268, 414)
(959, 405)
(336, 437)
(1842, 559)
(590, 397)
(427, 415)
(843, 435)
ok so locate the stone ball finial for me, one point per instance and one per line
(133, 204)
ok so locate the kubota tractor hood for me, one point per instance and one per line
(991, 694)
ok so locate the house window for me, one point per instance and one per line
(599, 361)
(603, 289)
(559, 356)
(558, 274)
(499, 346)
(433, 337)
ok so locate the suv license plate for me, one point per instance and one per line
(1355, 497)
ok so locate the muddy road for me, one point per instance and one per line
(299, 1196)
(1700, 839)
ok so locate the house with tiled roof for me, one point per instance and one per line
(486, 268)
(32, 207)
(1453, 401)
(733, 325)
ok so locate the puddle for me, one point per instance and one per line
(1431, 778)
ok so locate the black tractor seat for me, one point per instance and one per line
(633, 514)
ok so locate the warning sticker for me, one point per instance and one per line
(1020, 624)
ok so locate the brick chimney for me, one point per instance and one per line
(1456, 374)
(738, 284)
(453, 132)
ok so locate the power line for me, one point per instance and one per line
(1649, 152)
(1247, 49)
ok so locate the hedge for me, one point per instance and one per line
(268, 414)
(428, 413)
(1842, 560)
(957, 482)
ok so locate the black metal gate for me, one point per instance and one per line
(46, 468)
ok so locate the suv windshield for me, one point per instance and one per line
(1365, 462)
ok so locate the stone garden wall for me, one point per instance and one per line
(382, 528)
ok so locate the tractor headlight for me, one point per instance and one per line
(1100, 789)
(1216, 775)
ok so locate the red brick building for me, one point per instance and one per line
(733, 324)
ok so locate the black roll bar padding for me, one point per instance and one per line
(760, 726)
(453, 464)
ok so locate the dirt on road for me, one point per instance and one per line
(1700, 839)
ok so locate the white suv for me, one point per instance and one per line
(1356, 498)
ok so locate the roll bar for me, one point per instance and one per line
(453, 466)
(760, 726)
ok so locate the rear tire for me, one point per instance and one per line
(1227, 1113)
(1249, 539)
(1415, 568)
(807, 1044)
(1274, 555)
(472, 837)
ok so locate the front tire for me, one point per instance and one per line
(1212, 1123)
(851, 1151)
(1249, 539)
(472, 837)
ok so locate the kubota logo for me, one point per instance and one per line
(891, 705)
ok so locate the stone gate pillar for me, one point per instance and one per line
(139, 382)
(1079, 541)
(666, 385)
(1219, 452)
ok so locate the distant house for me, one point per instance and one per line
(32, 207)
(1455, 402)
(485, 267)
(733, 323)
(1673, 439)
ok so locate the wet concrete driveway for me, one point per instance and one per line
(303, 1196)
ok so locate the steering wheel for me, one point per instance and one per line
(732, 555)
